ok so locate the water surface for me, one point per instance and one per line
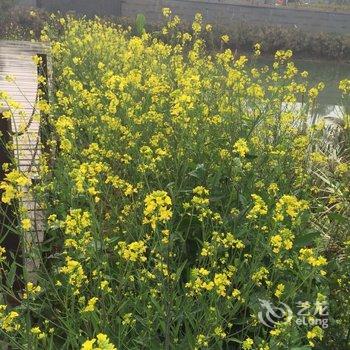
(330, 73)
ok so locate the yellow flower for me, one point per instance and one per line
(344, 86)
(10, 78)
(102, 341)
(259, 208)
(236, 293)
(201, 191)
(255, 91)
(315, 333)
(26, 224)
(208, 28)
(307, 254)
(290, 205)
(279, 290)
(284, 238)
(241, 147)
(313, 92)
(2, 254)
(31, 290)
(225, 39)
(76, 222)
(157, 208)
(166, 12)
(90, 307)
(128, 320)
(88, 345)
(38, 333)
(37, 60)
(75, 272)
(166, 234)
(273, 188)
(8, 322)
(247, 344)
(276, 243)
(260, 275)
(13, 185)
(224, 153)
(219, 332)
(282, 55)
(134, 251)
(104, 285)
(342, 168)
(318, 158)
(202, 341)
(275, 332)
(257, 49)
(221, 282)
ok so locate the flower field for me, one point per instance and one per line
(182, 190)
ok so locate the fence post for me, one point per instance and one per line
(8, 219)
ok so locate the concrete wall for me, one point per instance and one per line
(219, 12)
(30, 3)
(85, 7)
(226, 12)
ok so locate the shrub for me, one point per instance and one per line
(179, 200)
(5, 5)
(23, 23)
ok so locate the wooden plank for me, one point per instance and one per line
(35, 47)
(16, 61)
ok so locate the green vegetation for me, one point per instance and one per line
(184, 191)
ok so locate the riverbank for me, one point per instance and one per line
(315, 46)
(26, 24)
(311, 6)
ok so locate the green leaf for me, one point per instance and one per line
(180, 269)
(198, 172)
(11, 275)
(140, 24)
(338, 217)
(243, 200)
(306, 238)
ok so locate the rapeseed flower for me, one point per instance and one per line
(241, 147)
(179, 177)
(102, 343)
(157, 208)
